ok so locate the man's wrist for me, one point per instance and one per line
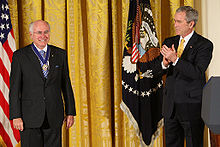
(174, 63)
(163, 66)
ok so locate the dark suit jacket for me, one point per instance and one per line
(185, 80)
(31, 95)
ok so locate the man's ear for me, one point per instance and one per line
(191, 24)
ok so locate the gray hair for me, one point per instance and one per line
(191, 14)
(31, 26)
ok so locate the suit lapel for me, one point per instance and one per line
(34, 59)
(190, 44)
(176, 42)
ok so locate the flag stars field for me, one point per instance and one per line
(130, 89)
(126, 86)
(2, 36)
(159, 85)
(5, 7)
(148, 93)
(2, 26)
(7, 26)
(143, 93)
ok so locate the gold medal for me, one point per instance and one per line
(44, 67)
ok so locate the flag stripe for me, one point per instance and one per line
(135, 59)
(5, 136)
(4, 120)
(12, 34)
(4, 89)
(5, 105)
(4, 73)
(5, 58)
(11, 42)
(135, 53)
(8, 51)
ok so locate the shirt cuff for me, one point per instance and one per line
(164, 67)
(177, 59)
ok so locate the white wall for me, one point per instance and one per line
(211, 29)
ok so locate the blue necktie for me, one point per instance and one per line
(42, 53)
(45, 66)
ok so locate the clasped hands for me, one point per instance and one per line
(169, 55)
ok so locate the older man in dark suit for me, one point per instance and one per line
(39, 77)
(185, 60)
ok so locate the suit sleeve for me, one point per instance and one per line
(67, 90)
(155, 66)
(197, 68)
(15, 88)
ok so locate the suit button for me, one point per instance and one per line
(44, 98)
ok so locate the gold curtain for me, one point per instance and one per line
(168, 10)
(93, 33)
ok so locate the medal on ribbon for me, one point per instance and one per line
(43, 61)
(44, 67)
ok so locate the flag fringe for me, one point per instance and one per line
(128, 113)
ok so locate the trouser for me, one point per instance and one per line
(41, 137)
(183, 126)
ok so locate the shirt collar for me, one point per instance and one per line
(44, 49)
(187, 38)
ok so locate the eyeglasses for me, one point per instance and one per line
(41, 33)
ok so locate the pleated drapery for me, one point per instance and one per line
(93, 33)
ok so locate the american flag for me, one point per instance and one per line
(10, 136)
